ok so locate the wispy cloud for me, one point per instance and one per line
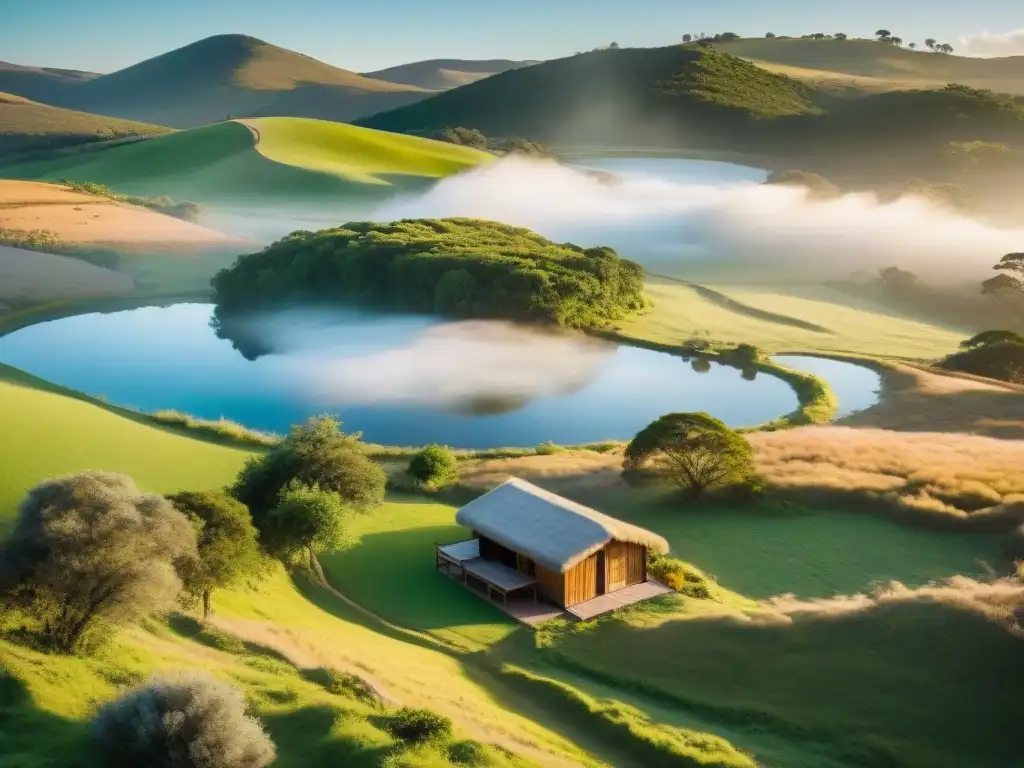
(985, 44)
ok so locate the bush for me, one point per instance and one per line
(315, 453)
(345, 684)
(188, 720)
(548, 448)
(419, 726)
(434, 466)
(89, 552)
(1002, 360)
(680, 576)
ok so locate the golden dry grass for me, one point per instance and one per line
(956, 476)
(917, 400)
(85, 219)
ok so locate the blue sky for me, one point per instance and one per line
(363, 35)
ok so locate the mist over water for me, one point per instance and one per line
(460, 365)
(672, 214)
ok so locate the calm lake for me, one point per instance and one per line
(400, 379)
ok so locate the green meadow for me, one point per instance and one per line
(296, 158)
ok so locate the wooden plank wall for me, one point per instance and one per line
(551, 585)
(581, 581)
(636, 564)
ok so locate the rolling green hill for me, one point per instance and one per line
(261, 158)
(232, 75)
(873, 65)
(694, 97)
(636, 96)
(442, 74)
(28, 125)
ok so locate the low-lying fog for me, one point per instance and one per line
(458, 365)
(674, 214)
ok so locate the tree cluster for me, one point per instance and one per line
(455, 267)
(90, 552)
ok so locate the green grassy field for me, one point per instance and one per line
(47, 434)
(853, 327)
(409, 591)
(297, 160)
(360, 155)
(766, 550)
(917, 684)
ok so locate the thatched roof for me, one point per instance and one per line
(552, 531)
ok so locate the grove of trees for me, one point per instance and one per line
(461, 267)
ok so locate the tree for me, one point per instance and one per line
(930, 42)
(687, 38)
(613, 46)
(897, 41)
(912, 46)
(694, 451)
(992, 337)
(90, 552)
(1002, 286)
(185, 720)
(315, 453)
(883, 34)
(226, 542)
(1012, 262)
(769, 35)
(944, 48)
(308, 518)
(840, 36)
(434, 466)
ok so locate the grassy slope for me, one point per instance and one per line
(39, 83)
(680, 313)
(359, 154)
(237, 75)
(26, 125)
(43, 709)
(46, 435)
(219, 162)
(880, 687)
(442, 74)
(882, 62)
(600, 94)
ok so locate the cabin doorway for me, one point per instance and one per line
(600, 572)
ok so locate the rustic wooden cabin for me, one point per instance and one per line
(526, 538)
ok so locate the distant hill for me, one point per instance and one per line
(27, 125)
(442, 74)
(261, 160)
(636, 96)
(231, 75)
(876, 66)
(694, 97)
(39, 83)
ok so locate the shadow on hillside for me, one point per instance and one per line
(306, 737)
(30, 736)
(915, 684)
(915, 401)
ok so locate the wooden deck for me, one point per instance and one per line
(637, 593)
